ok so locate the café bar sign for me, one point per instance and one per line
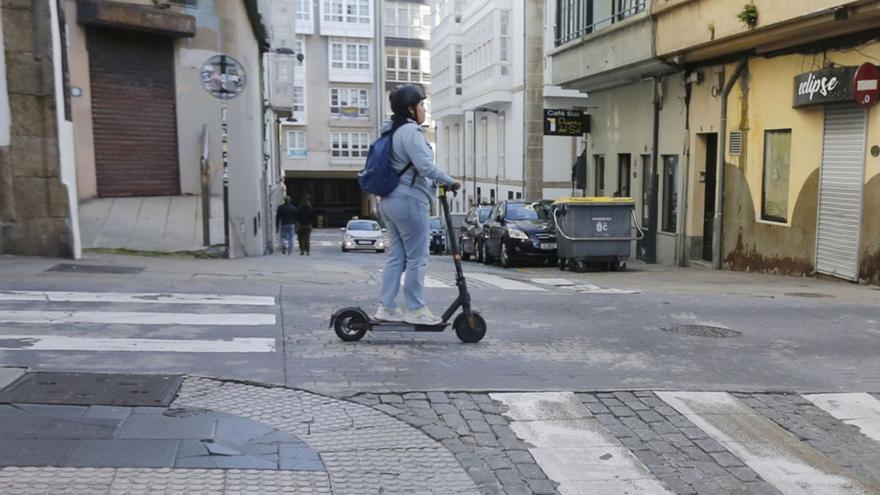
(824, 86)
(566, 122)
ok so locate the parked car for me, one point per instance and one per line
(363, 235)
(519, 230)
(470, 233)
(436, 236)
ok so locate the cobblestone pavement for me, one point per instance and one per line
(464, 443)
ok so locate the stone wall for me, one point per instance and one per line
(34, 208)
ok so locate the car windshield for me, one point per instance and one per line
(484, 214)
(435, 223)
(363, 225)
(528, 211)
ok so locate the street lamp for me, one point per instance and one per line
(474, 112)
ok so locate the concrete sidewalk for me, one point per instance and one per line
(160, 223)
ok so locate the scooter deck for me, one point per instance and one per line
(398, 326)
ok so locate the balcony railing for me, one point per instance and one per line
(575, 18)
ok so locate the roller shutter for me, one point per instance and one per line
(841, 182)
(134, 114)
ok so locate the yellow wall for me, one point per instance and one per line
(760, 101)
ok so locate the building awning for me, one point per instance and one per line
(135, 18)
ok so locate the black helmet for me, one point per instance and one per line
(404, 97)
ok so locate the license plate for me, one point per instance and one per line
(548, 245)
(364, 242)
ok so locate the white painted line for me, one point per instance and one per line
(595, 289)
(147, 298)
(430, 283)
(60, 343)
(555, 282)
(133, 318)
(573, 448)
(504, 283)
(783, 460)
(858, 409)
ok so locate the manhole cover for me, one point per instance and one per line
(92, 389)
(807, 294)
(103, 269)
(702, 331)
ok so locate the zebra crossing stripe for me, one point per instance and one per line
(148, 298)
(504, 283)
(91, 344)
(790, 465)
(136, 318)
(429, 282)
(858, 409)
(573, 448)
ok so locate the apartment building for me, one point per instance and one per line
(480, 100)
(341, 93)
(747, 130)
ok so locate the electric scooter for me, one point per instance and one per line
(351, 324)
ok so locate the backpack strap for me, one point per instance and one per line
(409, 165)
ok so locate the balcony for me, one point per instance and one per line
(448, 31)
(602, 44)
(780, 26)
(487, 54)
(446, 61)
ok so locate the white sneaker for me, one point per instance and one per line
(421, 316)
(385, 314)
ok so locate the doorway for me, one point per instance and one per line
(708, 180)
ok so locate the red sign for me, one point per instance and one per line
(866, 84)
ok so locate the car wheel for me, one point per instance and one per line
(464, 254)
(504, 256)
(344, 250)
(562, 262)
(487, 260)
(380, 250)
(478, 251)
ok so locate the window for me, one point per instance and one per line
(509, 194)
(479, 195)
(299, 99)
(484, 147)
(519, 195)
(406, 65)
(408, 20)
(599, 179)
(349, 102)
(299, 46)
(349, 144)
(504, 42)
(627, 8)
(670, 193)
(624, 166)
(576, 18)
(348, 11)
(296, 144)
(458, 69)
(647, 176)
(502, 144)
(777, 160)
(303, 10)
(349, 55)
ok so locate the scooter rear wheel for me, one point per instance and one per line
(344, 323)
(470, 331)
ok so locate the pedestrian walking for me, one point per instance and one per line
(285, 222)
(305, 219)
(405, 211)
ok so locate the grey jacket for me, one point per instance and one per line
(410, 145)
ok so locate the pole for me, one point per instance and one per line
(224, 134)
(474, 136)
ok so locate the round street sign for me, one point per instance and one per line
(866, 84)
(223, 77)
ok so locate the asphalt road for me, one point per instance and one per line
(589, 332)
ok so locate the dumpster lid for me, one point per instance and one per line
(595, 200)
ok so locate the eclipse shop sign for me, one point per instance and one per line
(824, 86)
(565, 122)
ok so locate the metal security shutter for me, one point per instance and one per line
(841, 182)
(134, 114)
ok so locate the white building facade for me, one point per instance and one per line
(479, 99)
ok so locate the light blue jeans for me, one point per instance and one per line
(287, 233)
(406, 219)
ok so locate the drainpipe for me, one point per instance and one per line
(717, 227)
(653, 207)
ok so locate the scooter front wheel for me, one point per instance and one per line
(470, 330)
(344, 323)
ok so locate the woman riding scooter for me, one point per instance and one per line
(406, 210)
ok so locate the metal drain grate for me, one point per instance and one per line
(102, 269)
(807, 294)
(702, 331)
(92, 389)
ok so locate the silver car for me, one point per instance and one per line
(363, 235)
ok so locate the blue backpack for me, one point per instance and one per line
(378, 175)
